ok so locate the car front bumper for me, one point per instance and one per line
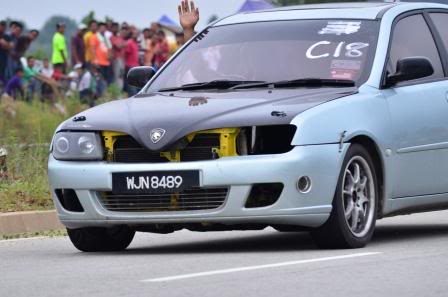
(320, 162)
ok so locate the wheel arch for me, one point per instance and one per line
(371, 146)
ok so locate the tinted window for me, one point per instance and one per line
(412, 38)
(274, 51)
(441, 22)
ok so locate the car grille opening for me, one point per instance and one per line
(187, 200)
(203, 145)
(128, 150)
(69, 200)
(262, 195)
(270, 140)
(201, 148)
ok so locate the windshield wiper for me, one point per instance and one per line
(214, 84)
(298, 83)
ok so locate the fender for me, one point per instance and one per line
(363, 114)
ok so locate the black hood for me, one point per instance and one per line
(182, 113)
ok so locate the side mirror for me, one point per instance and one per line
(138, 77)
(409, 69)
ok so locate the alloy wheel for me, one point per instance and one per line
(358, 194)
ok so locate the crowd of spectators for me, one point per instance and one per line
(98, 55)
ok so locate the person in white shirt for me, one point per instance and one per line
(47, 69)
(74, 77)
(87, 86)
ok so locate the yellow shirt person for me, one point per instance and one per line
(89, 56)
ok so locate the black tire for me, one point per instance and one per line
(336, 232)
(95, 239)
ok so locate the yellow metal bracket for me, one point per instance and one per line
(173, 156)
(109, 140)
(227, 140)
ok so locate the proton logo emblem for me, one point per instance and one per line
(157, 134)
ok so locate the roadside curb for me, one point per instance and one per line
(29, 221)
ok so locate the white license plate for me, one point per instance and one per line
(154, 181)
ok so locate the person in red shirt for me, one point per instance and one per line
(131, 50)
(162, 50)
(58, 72)
(131, 56)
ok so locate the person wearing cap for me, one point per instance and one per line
(88, 84)
(78, 49)
(74, 77)
(59, 57)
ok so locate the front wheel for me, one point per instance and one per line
(95, 239)
(352, 219)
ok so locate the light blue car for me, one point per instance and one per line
(322, 118)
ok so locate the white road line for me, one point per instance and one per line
(247, 268)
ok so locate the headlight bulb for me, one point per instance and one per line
(86, 145)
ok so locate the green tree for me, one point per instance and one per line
(212, 18)
(109, 19)
(89, 17)
(39, 53)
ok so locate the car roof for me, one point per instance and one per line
(351, 10)
(333, 5)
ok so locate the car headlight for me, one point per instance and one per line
(77, 146)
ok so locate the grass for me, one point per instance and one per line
(48, 233)
(26, 130)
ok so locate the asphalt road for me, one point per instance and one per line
(407, 257)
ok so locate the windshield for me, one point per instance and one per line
(275, 51)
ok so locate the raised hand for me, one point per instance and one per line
(189, 17)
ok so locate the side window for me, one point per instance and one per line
(412, 38)
(441, 22)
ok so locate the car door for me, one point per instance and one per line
(419, 113)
